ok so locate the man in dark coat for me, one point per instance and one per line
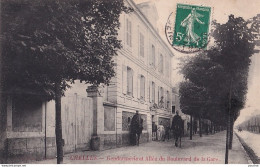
(167, 132)
(177, 127)
(154, 131)
(136, 125)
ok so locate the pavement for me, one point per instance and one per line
(208, 149)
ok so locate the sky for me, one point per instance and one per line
(221, 9)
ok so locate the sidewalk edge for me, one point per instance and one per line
(252, 157)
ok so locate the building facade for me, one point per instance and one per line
(143, 74)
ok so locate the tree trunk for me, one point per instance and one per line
(211, 127)
(231, 132)
(200, 126)
(227, 139)
(191, 127)
(58, 127)
(228, 122)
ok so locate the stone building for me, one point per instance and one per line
(98, 118)
(143, 77)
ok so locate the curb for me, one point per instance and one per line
(250, 153)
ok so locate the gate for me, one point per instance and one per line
(77, 122)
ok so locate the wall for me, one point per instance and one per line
(27, 137)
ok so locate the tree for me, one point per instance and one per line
(49, 44)
(222, 71)
(207, 77)
(192, 101)
(235, 41)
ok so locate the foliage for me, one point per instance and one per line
(212, 72)
(49, 44)
(58, 41)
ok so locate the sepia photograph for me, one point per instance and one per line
(129, 82)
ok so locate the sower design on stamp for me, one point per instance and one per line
(190, 30)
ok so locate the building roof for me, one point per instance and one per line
(144, 18)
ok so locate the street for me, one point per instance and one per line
(208, 149)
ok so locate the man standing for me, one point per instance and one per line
(135, 127)
(177, 127)
(167, 132)
(154, 131)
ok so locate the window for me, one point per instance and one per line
(109, 118)
(129, 81)
(173, 109)
(128, 33)
(167, 68)
(173, 99)
(26, 114)
(142, 87)
(161, 97)
(152, 60)
(141, 45)
(161, 64)
(153, 92)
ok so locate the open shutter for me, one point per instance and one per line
(130, 34)
(124, 79)
(134, 81)
(139, 86)
(158, 95)
(155, 94)
(150, 88)
(165, 99)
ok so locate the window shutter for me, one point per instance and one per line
(134, 84)
(150, 91)
(158, 96)
(141, 45)
(130, 33)
(155, 93)
(124, 79)
(139, 86)
(143, 87)
(165, 99)
(127, 32)
(150, 54)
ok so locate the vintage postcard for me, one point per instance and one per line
(129, 82)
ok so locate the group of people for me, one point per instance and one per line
(161, 133)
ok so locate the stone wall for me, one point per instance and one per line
(23, 150)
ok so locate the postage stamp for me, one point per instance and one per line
(189, 32)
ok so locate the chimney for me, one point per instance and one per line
(150, 12)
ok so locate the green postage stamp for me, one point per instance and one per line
(191, 27)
